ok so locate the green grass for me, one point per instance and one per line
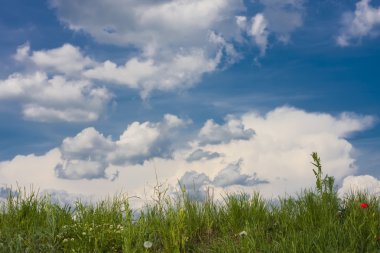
(314, 221)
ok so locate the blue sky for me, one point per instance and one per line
(214, 93)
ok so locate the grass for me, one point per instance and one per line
(314, 221)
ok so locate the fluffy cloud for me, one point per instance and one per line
(151, 25)
(66, 59)
(54, 99)
(274, 161)
(85, 155)
(361, 23)
(174, 52)
(89, 154)
(182, 71)
(366, 183)
(142, 141)
(54, 88)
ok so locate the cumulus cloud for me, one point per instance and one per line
(365, 184)
(79, 169)
(142, 141)
(151, 24)
(89, 154)
(171, 51)
(274, 161)
(361, 23)
(174, 52)
(66, 59)
(56, 98)
(54, 88)
(85, 155)
(87, 145)
(182, 71)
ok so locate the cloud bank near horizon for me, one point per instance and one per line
(163, 49)
(268, 152)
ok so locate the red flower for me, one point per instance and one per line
(363, 205)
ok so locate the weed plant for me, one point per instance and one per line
(314, 221)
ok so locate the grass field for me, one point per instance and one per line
(314, 221)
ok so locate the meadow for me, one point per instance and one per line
(316, 220)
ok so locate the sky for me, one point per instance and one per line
(105, 97)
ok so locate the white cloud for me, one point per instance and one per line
(136, 144)
(66, 59)
(143, 141)
(54, 99)
(174, 52)
(365, 184)
(277, 158)
(89, 153)
(148, 24)
(361, 23)
(171, 51)
(182, 71)
(275, 161)
(81, 169)
(87, 145)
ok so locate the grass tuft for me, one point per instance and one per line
(314, 221)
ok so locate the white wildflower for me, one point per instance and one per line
(148, 244)
(243, 233)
